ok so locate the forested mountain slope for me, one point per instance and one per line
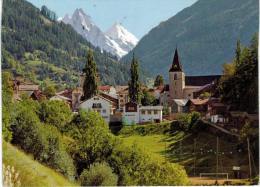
(205, 34)
(38, 48)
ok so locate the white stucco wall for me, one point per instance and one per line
(216, 119)
(146, 117)
(104, 110)
(131, 117)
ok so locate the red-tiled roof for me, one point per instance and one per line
(66, 93)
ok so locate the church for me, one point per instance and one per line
(181, 88)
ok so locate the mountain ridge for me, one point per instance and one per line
(35, 47)
(205, 34)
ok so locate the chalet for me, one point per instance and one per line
(65, 95)
(217, 111)
(20, 87)
(131, 113)
(198, 105)
(99, 104)
(70, 96)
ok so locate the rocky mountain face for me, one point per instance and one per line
(117, 40)
(205, 34)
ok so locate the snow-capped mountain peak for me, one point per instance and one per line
(117, 40)
(118, 32)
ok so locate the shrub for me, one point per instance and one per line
(99, 174)
(42, 141)
(55, 113)
(7, 93)
(135, 167)
(93, 140)
(57, 157)
(187, 121)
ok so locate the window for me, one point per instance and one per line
(131, 108)
(98, 111)
(96, 98)
(121, 100)
(121, 95)
(155, 112)
(175, 77)
(149, 112)
(104, 110)
(143, 111)
(96, 105)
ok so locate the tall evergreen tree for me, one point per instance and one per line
(240, 89)
(238, 53)
(134, 83)
(90, 86)
(158, 80)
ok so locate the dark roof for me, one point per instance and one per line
(201, 80)
(166, 88)
(176, 66)
(108, 97)
(66, 93)
(37, 95)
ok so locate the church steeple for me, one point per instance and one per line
(176, 66)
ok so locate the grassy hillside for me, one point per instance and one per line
(205, 33)
(178, 147)
(31, 172)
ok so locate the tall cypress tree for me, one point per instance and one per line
(238, 53)
(134, 83)
(90, 86)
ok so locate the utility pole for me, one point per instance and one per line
(181, 146)
(249, 159)
(165, 149)
(194, 150)
(217, 162)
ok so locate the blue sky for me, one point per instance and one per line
(137, 16)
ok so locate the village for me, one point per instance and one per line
(183, 94)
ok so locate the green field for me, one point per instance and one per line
(31, 172)
(154, 144)
(191, 149)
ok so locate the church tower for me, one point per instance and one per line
(176, 78)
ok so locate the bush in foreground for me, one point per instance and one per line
(99, 174)
(135, 167)
(42, 141)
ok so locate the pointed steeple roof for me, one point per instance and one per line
(176, 66)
